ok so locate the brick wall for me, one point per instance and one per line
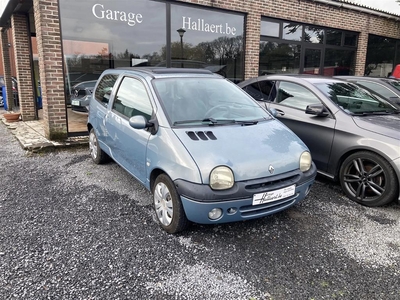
(47, 26)
(306, 11)
(23, 59)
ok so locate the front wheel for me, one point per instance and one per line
(368, 179)
(168, 205)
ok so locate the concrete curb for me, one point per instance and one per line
(31, 136)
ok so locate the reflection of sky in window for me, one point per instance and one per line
(133, 94)
(315, 35)
(79, 23)
(296, 90)
(270, 28)
(292, 31)
(225, 22)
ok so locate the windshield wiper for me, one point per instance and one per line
(212, 122)
(208, 120)
(381, 112)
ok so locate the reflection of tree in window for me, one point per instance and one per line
(279, 58)
(292, 31)
(313, 34)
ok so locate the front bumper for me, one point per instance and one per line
(237, 203)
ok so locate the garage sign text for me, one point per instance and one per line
(100, 12)
(202, 25)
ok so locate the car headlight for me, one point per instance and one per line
(305, 161)
(221, 178)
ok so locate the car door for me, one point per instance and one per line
(100, 106)
(129, 145)
(316, 132)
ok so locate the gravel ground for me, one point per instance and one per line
(70, 229)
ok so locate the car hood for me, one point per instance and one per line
(247, 150)
(387, 125)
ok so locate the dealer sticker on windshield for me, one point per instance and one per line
(271, 196)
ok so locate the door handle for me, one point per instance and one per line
(280, 112)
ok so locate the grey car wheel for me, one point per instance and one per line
(98, 155)
(168, 206)
(368, 179)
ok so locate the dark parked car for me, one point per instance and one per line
(14, 87)
(80, 96)
(387, 88)
(353, 136)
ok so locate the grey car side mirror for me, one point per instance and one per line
(318, 110)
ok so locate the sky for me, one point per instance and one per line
(390, 6)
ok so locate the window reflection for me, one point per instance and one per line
(339, 62)
(270, 28)
(350, 39)
(212, 40)
(380, 56)
(333, 37)
(279, 58)
(292, 31)
(312, 61)
(313, 35)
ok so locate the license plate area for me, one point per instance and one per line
(75, 102)
(275, 195)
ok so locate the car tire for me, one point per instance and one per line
(98, 155)
(168, 206)
(368, 179)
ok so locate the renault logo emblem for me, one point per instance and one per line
(271, 169)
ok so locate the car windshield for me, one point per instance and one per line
(394, 83)
(210, 101)
(354, 99)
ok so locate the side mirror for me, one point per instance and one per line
(139, 122)
(318, 110)
(273, 112)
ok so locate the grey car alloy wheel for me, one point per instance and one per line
(368, 179)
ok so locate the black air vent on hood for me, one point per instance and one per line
(201, 135)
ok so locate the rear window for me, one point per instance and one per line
(104, 89)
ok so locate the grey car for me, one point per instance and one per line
(353, 136)
(388, 88)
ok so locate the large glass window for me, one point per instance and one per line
(312, 49)
(381, 53)
(207, 39)
(279, 58)
(339, 62)
(109, 34)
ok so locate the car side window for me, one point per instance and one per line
(378, 88)
(104, 88)
(132, 99)
(261, 90)
(296, 96)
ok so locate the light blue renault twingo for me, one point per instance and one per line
(206, 150)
